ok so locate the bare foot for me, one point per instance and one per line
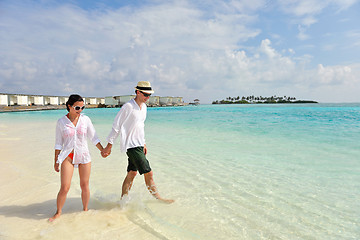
(168, 201)
(54, 217)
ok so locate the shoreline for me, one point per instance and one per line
(19, 108)
(265, 102)
(23, 108)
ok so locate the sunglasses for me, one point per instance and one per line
(77, 108)
(146, 94)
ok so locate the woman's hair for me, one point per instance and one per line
(73, 99)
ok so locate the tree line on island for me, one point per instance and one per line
(260, 99)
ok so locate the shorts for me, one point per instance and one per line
(137, 160)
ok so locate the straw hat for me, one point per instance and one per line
(144, 86)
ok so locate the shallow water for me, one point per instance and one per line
(235, 171)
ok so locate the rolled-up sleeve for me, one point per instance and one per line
(112, 136)
(58, 137)
(117, 125)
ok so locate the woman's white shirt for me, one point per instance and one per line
(70, 137)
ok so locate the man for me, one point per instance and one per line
(129, 124)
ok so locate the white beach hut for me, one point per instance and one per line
(62, 100)
(91, 100)
(51, 100)
(165, 101)
(12, 99)
(4, 99)
(177, 101)
(100, 100)
(22, 100)
(36, 100)
(18, 99)
(154, 101)
(125, 99)
(111, 101)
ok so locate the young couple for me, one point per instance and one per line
(71, 150)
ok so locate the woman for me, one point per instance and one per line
(71, 150)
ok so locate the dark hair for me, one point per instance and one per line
(73, 99)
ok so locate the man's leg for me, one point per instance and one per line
(128, 181)
(149, 181)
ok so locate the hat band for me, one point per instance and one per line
(143, 88)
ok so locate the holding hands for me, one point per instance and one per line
(106, 151)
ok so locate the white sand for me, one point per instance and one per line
(29, 185)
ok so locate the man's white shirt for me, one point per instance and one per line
(129, 123)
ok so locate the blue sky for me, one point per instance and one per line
(196, 49)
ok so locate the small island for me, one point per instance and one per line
(260, 100)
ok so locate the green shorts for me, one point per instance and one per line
(137, 160)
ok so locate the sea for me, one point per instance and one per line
(254, 171)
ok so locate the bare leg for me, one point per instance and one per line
(128, 181)
(84, 173)
(149, 181)
(67, 169)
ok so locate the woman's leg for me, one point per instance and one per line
(84, 173)
(67, 169)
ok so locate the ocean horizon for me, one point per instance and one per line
(238, 171)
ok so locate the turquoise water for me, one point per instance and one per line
(244, 171)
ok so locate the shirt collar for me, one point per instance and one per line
(135, 103)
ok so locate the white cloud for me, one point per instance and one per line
(266, 48)
(313, 7)
(85, 64)
(304, 13)
(335, 75)
(302, 7)
(354, 37)
(344, 4)
(302, 33)
(182, 49)
(292, 51)
(308, 21)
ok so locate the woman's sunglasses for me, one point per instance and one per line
(77, 108)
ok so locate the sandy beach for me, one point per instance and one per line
(29, 185)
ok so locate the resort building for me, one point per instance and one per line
(118, 100)
(89, 100)
(94, 100)
(111, 101)
(36, 100)
(166, 101)
(125, 99)
(154, 101)
(4, 100)
(51, 100)
(40, 100)
(196, 102)
(63, 100)
(17, 99)
(177, 101)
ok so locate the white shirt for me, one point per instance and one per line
(129, 123)
(70, 137)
